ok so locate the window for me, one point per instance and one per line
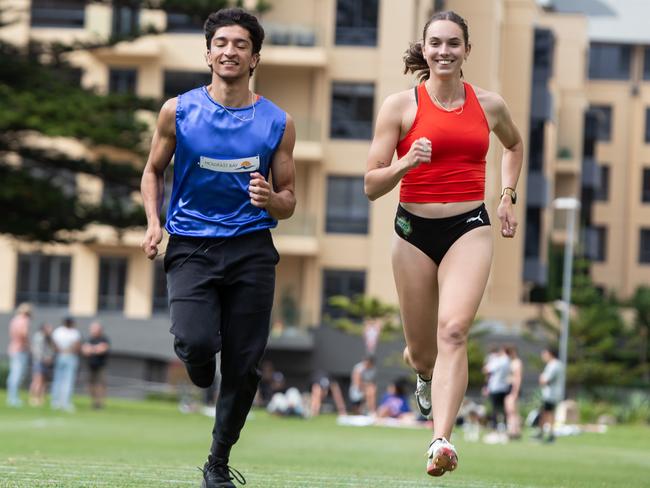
(43, 280)
(178, 22)
(644, 246)
(645, 190)
(112, 282)
(118, 195)
(602, 192)
(609, 61)
(356, 22)
(352, 110)
(122, 80)
(160, 303)
(347, 205)
(177, 82)
(603, 115)
(126, 18)
(58, 13)
(599, 251)
(340, 282)
(647, 125)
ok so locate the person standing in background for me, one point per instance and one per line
(513, 419)
(42, 362)
(551, 382)
(67, 342)
(95, 349)
(18, 351)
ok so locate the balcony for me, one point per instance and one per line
(147, 48)
(293, 45)
(308, 140)
(297, 236)
(566, 162)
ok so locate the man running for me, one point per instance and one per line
(220, 260)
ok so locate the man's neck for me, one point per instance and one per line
(230, 94)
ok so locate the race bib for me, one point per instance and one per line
(241, 165)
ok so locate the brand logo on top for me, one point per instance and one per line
(241, 165)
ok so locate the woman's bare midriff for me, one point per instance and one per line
(440, 210)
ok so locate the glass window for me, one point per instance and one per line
(122, 80)
(341, 282)
(347, 205)
(600, 245)
(126, 18)
(644, 246)
(43, 279)
(603, 115)
(352, 110)
(112, 283)
(58, 13)
(179, 22)
(609, 61)
(177, 82)
(645, 190)
(602, 192)
(356, 22)
(160, 303)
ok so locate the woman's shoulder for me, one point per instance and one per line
(401, 99)
(489, 100)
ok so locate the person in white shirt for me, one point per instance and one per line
(498, 385)
(67, 342)
(551, 382)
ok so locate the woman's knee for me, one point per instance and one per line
(453, 333)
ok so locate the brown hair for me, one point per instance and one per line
(235, 16)
(414, 58)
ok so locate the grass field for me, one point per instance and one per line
(147, 444)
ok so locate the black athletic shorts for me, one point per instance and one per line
(434, 237)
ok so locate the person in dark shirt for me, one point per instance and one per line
(95, 349)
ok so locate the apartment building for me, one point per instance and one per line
(331, 63)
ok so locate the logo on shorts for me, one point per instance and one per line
(475, 219)
(405, 225)
(241, 165)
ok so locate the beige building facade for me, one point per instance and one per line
(331, 63)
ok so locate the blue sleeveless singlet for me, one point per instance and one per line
(215, 155)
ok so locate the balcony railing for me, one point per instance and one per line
(292, 35)
(307, 129)
(300, 224)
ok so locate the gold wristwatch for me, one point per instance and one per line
(510, 191)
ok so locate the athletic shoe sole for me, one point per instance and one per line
(445, 460)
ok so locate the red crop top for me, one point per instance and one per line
(459, 143)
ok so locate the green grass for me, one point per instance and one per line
(147, 444)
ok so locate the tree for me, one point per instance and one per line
(40, 96)
(601, 350)
(361, 311)
(641, 304)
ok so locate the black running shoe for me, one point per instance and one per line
(202, 375)
(217, 474)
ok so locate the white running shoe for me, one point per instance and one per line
(423, 396)
(441, 457)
